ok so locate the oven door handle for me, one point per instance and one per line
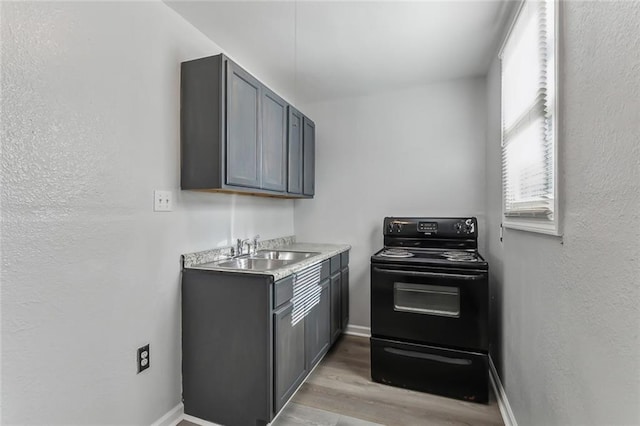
(470, 277)
(430, 357)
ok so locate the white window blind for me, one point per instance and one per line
(529, 119)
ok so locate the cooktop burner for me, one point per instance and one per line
(397, 253)
(460, 256)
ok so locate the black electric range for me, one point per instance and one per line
(429, 307)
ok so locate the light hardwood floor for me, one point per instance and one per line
(340, 393)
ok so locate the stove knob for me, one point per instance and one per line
(469, 227)
(458, 227)
(399, 227)
(390, 227)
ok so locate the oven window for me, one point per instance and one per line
(427, 299)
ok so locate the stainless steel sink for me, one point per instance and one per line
(263, 260)
(283, 255)
(253, 264)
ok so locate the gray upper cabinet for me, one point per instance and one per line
(274, 141)
(294, 184)
(244, 165)
(309, 153)
(236, 134)
(301, 158)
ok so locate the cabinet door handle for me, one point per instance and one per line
(287, 308)
(431, 357)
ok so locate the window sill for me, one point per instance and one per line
(532, 225)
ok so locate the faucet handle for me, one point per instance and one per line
(255, 244)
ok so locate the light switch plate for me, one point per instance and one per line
(162, 201)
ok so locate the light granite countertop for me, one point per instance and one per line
(207, 260)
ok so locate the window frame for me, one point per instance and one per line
(544, 226)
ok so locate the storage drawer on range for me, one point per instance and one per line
(453, 373)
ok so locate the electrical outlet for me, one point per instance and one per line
(144, 358)
(162, 201)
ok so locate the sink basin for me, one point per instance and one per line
(253, 264)
(283, 255)
(263, 260)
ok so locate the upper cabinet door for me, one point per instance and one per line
(274, 141)
(243, 147)
(294, 184)
(309, 152)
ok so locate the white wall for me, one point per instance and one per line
(568, 318)
(416, 152)
(90, 127)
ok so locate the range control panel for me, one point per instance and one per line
(431, 227)
(427, 226)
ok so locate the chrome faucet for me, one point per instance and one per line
(253, 248)
(240, 246)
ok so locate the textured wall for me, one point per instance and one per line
(417, 152)
(568, 346)
(90, 127)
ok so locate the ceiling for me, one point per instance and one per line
(311, 51)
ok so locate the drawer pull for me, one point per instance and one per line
(431, 357)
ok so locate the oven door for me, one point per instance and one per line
(430, 305)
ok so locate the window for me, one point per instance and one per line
(529, 142)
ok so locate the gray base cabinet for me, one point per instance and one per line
(317, 338)
(336, 312)
(339, 310)
(289, 367)
(248, 342)
(344, 298)
(227, 347)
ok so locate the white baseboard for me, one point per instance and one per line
(198, 421)
(503, 403)
(358, 330)
(172, 418)
(176, 415)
